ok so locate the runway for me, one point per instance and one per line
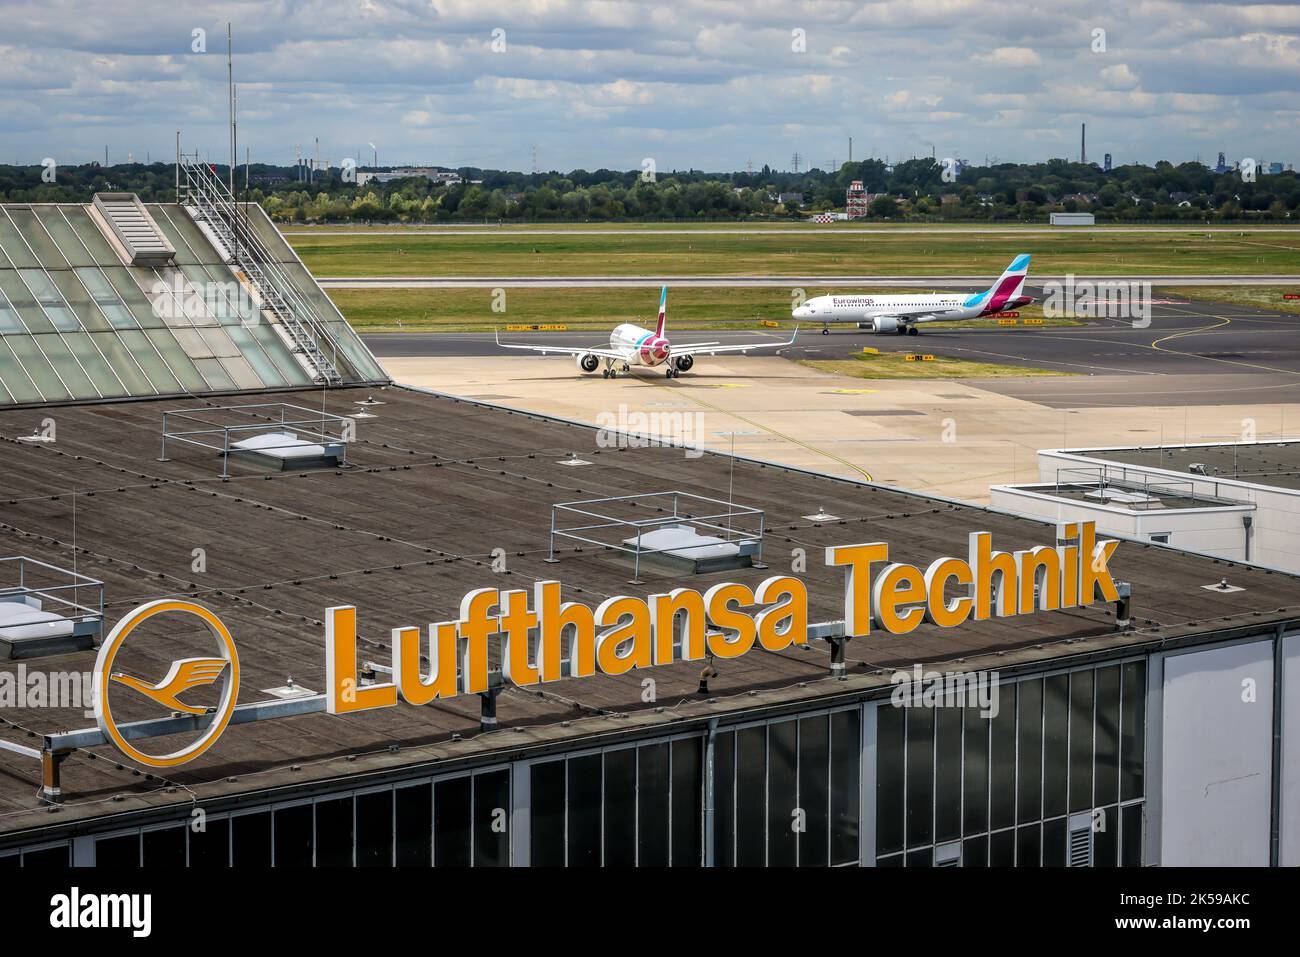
(1195, 354)
(778, 282)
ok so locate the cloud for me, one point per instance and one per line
(705, 83)
(1010, 57)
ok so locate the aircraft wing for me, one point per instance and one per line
(604, 353)
(903, 315)
(713, 348)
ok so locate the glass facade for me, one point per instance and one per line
(787, 793)
(631, 806)
(1061, 755)
(76, 323)
(1052, 776)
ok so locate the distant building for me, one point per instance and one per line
(855, 200)
(1072, 219)
(1274, 168)
(785, 199)
(1222, 165)
(411, 172)
(1106, 163)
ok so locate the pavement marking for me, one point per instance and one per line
(766, 428)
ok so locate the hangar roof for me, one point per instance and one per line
(432, 485)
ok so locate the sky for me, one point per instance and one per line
(702, 84)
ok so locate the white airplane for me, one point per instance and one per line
(902, 314)
(630, 345)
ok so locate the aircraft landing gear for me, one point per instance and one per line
(826, 330)
(671, 373)
(913, 331)
(901, 331)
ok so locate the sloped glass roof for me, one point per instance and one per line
(78, 323)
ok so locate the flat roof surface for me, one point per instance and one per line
(433, 485)
(1275, 464)
(1131, 496)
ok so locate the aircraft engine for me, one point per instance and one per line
(588, 363)
(683, 363)
(885, 324)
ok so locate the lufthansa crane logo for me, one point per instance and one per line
(184, 675)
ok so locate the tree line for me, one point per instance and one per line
(916, 189)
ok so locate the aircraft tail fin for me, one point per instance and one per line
(1007, 288)
(663, 313)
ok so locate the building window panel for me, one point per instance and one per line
(1002, 760)
(583, 811)
(814, 790)
(164, 847)
(1029, 750)
(334, 832)
(492, 819)
(846, 786)
(375, 829)
(653, 785)
(1105, 837)
(751, 791)
(49, 298)
(1054, 842)
(210, 847)
(451, 823)
(947, 774)
(1081, 753)
(1130, 833)
(250, 842)
(1029, 845)
(620, 808)
(120, 851)
(782, 794)
(546, 814)
(1056, 740)
(921, 857)
(724, 799)
(293, 836)
(35, 237)
(891, 764)
(688, 807)
(975, 771)
(920, 775)
(1132, 729)
(1002, 848)
(413, 825)
(1106, 733)
(975, 852)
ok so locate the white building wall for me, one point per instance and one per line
(1290, 849)
(1216, 772)
(1213, 531)
(1275, 535)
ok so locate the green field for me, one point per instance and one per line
(894, 365)
(793, 251)
(470, 310)
(1256, 297)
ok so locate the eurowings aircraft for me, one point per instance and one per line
(630, 345)
(902, 314)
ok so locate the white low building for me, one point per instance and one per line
(1233, 500)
